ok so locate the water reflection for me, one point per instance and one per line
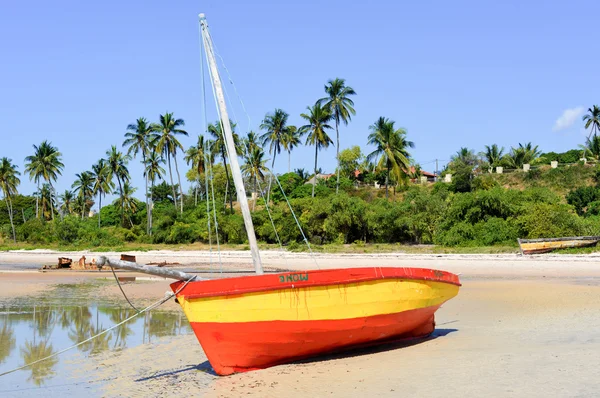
(7, 341)
(40, 330)
(43, 370)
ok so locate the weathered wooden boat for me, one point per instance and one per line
(545, 245)
(254, 322)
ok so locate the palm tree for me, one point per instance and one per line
(317, 119)
(117, 166)
(414, 172)
(153, 170)
(466, 156)
(66, 200)
(220, 148)
(46, 201)
(493, 155)
(254, 168)
(341, 108)
(139, 138)
(44, 164)
(391, 149)
(290, 140)
(592, 119)
(276, 128)
(592, 147)
(84, 185)
(168, 144)
(128, 202)
(102, 183)
(523, 154)
(250, 142)
(303, 174)
(195, 156)
(9, 181)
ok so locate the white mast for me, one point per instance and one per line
(233, 161)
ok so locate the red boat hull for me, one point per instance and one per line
(233, 348)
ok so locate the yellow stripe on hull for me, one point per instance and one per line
(353, 300)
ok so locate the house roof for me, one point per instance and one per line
(423, 172)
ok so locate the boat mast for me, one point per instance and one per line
(233, 160)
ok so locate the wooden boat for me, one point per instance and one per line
(545, 245)
(254, 322)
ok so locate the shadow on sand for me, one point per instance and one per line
(205, 367)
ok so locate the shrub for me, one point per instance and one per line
(542, 220)
(496, 231)
(581, 197)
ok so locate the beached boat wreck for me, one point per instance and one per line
(254, 322)
(545, 245)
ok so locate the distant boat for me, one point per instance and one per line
(545, 245)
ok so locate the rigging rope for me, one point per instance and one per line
(312, 254)
(149, 308)
(215, 54)
(120, 287)
(272, 223)
(212, 190)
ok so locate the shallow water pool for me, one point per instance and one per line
(38, 326)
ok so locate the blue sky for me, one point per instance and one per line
(453, 73)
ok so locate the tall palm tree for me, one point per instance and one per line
(9, 181)
(102, 183)
(46, 198)
(391, 149)
(276, 128)
(493, 155)
(66, 200)
(168, 144)
(195, 156)
(154, 171)
(84, 187)
(128, 202)
(44, 164)
(220, 148)
(592, 119)
(341, 108)
(316, 127)
(250, 142)
(254, 168)
(117, 166)
(290, 140)
(139, 138)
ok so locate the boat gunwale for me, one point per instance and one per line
(338, 276)
(567, 238)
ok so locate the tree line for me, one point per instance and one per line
(158, 146)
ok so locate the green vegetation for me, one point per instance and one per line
(478, 208)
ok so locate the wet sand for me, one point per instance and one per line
(519, 327)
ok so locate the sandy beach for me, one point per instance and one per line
(520, 326)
